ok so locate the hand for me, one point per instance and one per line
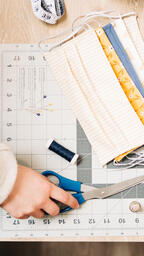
(31, 196)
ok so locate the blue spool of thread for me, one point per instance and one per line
(62, 151)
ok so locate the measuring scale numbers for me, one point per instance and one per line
(113, 216)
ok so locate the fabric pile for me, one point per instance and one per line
(101, 72)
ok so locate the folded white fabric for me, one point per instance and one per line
(136, 37)
(8, 171)
(82, 70)
(130, 48)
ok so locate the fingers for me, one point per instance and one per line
(23, 217)
(64, 197)
(38, 214)
(51, 208)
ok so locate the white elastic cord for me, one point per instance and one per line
(52, 37)
(104, 14)
(89, 14)
(93, 21)
(79, 28)
(133, 161)
(73, 33)
(139, 158)
(87, 25)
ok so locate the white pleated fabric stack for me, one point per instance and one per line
(96, 97)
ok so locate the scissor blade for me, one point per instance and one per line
(113, 189)
(87, 188)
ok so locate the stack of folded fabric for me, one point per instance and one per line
(101, 72)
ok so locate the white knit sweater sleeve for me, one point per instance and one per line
(8, 171)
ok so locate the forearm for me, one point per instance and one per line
(8, 171)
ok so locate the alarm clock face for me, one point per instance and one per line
(48, 11)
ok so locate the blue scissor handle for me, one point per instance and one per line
(64, 183)
(80, 200)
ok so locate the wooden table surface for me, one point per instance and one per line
(19, 25)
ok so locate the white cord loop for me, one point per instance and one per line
(78, 29)
(134, 159)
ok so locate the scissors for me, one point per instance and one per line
(85, 192)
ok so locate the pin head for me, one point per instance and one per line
(135, 206)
